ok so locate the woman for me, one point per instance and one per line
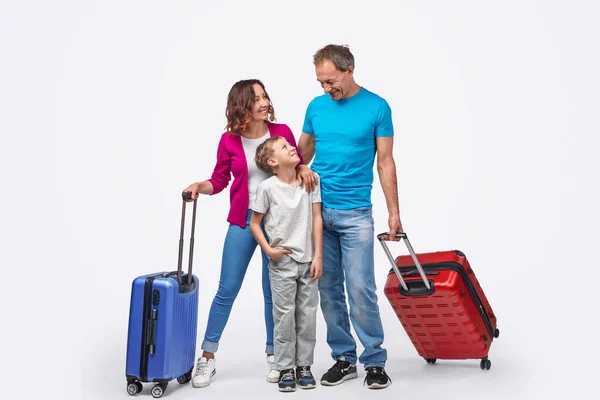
(249, 123)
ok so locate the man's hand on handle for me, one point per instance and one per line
(395, 226)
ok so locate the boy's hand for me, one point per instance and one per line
(277, 253)
(316, 269)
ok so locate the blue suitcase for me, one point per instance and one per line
(161, 340)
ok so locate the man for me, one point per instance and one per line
(344, 129)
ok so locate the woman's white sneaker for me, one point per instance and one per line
(272, 373)
(205, 370)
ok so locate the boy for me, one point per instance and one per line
(294, 226)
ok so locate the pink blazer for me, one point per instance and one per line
(231, 159)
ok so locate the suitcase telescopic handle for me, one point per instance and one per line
(403, 235)
(186, 196)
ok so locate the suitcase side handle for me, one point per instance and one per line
(186, 196)
(403, 235)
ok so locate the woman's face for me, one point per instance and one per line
(260, 108)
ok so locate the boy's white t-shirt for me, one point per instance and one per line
(288, 216)
(255, 175)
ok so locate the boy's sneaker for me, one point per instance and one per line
(305, 378)
(376, 378)
(287, 381)
(272, 373)
(341, 371)
(205, 370)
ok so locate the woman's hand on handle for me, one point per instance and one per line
(193, 189)
(197, 188)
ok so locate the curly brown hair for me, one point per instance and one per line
(264, 152)
(240, 100)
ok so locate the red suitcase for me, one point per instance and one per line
(440, 304)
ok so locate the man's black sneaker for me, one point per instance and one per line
(305, 378)
(341, 371)
(376, 378)
(287, 380)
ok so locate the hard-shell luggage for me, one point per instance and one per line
(440, 304)
(161, 341)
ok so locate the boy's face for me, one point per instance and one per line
(284, 154)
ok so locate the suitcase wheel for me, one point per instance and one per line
(185, 378)
(134, 388)
(485, 364)
(497, 333)
(158, 390)
(431, 360)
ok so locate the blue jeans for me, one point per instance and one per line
(238, 249)
(348, 240)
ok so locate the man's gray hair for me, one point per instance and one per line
(339, 55)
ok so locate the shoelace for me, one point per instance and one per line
(288, 376)
(305, 372)
(339, 365)
(375, 371)
(201, 367)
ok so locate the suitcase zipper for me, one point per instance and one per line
(147, 327)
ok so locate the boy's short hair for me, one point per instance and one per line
(264, 152)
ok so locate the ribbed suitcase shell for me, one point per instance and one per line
(456, 321)
(175, 333)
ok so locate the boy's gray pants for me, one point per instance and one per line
(295, 300)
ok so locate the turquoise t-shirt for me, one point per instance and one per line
(345, 132)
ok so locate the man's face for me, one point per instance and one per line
(335, 83)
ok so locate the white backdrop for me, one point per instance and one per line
(110, 108)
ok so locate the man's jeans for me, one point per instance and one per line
(348, 240)
(237, 251)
